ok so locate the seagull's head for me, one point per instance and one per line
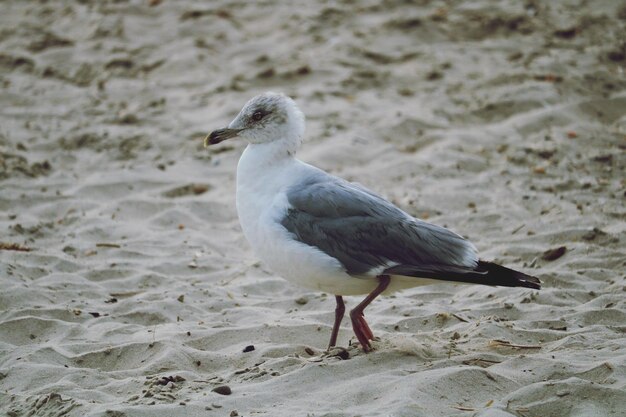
(265, 118)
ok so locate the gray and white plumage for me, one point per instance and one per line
(325, 233)
(366, 233)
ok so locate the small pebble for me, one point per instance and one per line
(343, 354)
(222, 390)
(553, 254)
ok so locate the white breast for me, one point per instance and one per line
(262, 203)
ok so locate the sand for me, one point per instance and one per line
(127, 287)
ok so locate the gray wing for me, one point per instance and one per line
(367, 233)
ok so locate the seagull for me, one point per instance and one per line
(327, 234)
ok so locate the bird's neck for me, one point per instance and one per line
(268, 155)
(263, 170)
(260, 161)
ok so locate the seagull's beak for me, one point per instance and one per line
(220, 135)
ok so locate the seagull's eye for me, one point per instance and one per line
(257, 115)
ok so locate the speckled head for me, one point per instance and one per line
(265, 118)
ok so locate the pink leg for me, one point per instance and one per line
(339, 310)
(359, 325)
(366, 328)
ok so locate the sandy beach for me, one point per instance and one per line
(127, 286)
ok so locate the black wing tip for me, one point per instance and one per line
(507, 277)
(530, 282)
(485, 273)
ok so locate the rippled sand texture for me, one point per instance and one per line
(127, 288)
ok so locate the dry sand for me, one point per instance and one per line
(504, 121)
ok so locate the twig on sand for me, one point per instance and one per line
(14, 246)
(458, 407)
(456, 316)
(506, 343)
(517, 229)
(483, 363)
(107, 245)
(125, 294)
